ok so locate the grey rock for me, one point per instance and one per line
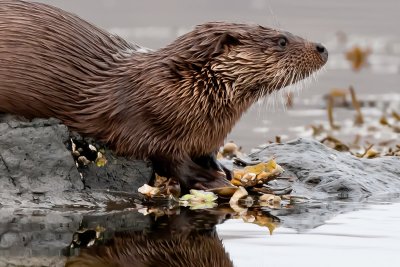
(37, 169)
(119, 174)
(322, 172)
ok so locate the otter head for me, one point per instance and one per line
(211, 75)
(250, 59)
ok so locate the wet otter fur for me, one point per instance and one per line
(173, 106)
(139, 250)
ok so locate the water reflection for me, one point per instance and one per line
(135, 235)
(172, 238)
(161, 237)
(146, 249)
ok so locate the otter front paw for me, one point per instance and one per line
(200, 173)
(209, 173)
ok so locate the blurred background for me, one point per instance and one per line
(341, 25)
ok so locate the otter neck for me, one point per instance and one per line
(151, 108)
(205, 107)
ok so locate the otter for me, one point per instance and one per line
(173, 106)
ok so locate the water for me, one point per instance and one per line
(364, 233)
(366, 237)
(309, 234)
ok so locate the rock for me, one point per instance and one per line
(37, 169)
(41, 234)
(322, 172)
(119, 174)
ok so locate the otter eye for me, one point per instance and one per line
(282, 42)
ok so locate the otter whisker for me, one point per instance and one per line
(274, 18)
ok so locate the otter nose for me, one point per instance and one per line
(322, 51)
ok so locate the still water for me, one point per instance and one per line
(336, 233)
(366, 237)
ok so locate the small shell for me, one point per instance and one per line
(277, 200)
(270, 198)
(73, 146)
(371, 154)
(229, 148)
(262, 175)
(92, 147)
(238, 174)
(249, 218)
(148, 190)
(244, 180)
(266, 198)
(83, 160)
(249, 176)
(143, 211)
(91, 243)
(247, 202)
(240, 193)
(101, 162)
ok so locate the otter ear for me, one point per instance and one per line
(223, 42)
(197, 56)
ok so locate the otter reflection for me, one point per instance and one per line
(178, 240)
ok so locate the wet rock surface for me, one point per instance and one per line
(46, 234)
(322, 172)
(41, 234)
(37, 169)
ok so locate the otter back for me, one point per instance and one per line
(48, 57)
